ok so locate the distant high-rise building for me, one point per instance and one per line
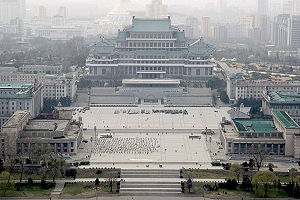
(156, 10)
(295, 32)
(220, 33)
(221, 5)
(42, 14)
(264, 25)
(281, 31)
(194, 24)
(12, 9)
(287, 7)
(247, 23)
(263, 7)
(296, 7)
(206, 27)
(58, 20)
(63, 11)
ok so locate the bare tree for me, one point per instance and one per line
(52, 163)
(237, 170)
(10, 165)
(21, 161)
(111, 179)
(259, 155)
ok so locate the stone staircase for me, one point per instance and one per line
(150, 182)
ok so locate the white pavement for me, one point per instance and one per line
(197, 118)
(167, 148)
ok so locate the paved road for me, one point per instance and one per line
(229, 70)
(122, 198)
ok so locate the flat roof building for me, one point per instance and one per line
(19, 96)
(279, 136)
(21, 134)
(282, 101)
(240, 88)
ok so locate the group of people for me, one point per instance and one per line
(126, 145)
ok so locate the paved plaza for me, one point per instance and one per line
(144, 118)
(151, 148)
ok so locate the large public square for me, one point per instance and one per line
(147, 136)
(128, 118)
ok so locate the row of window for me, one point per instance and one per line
(151, 57)
(151, 62)
(168, 70)
(151, 35)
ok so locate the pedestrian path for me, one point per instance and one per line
(58, 189)
(150, 182)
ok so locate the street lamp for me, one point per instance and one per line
(97, 189)
(95, 129)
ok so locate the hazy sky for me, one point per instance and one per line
(93, 8)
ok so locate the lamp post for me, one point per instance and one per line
(95, 129)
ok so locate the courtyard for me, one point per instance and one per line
(143, 118)
(151, 148)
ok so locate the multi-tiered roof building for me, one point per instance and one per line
(151, 49)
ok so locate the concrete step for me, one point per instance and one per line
(178, 186)
(150, 189)
(149, 172)
(160, 194)
(149, 176)
(150, 183)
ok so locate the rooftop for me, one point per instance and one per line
(151, 81)
(15, 119)
(151, 25)
(258, 126)
(285, 97)
(48, 125)
(286, 120)
(8, 90)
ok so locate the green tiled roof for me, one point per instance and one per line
(151, 25)
(287, 97)
(285, 119)
(25, 90)
(258, 126)
(102, 50)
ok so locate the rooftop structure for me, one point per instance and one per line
(240, 88)
(20, 134)
(151, 83)
(256, 126)
(55, 85)
(282, 101)
(285, 97)
(286, 120)
(279, 136)
(20, 96)
(151, 48)
(152, 91)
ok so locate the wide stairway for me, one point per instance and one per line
(150, 182)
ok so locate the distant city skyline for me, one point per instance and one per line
(93, 8)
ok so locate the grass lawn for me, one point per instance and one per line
(207, 174)
(92, 173)
(197, 189)
(81, 173)
(90, 188)
(30, 191)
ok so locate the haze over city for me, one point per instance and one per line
(149, 99)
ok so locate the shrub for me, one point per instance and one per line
(215, 163)
(99, 171)
(97, 182)
(30, 181)
(85, 163)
